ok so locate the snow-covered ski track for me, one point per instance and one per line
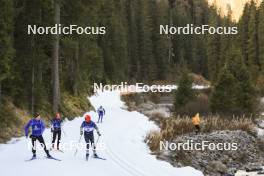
(123, 134)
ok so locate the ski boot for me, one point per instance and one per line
(48, 155)
(34, 156)
(95, 155)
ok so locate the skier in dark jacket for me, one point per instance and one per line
(37, 128)
(87, 128)
(56, 124)
(101, 113)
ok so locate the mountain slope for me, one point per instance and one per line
(237, 6)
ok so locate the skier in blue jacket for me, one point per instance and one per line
(101, 113)
(88, 126)
(56, 130)
(37, 128)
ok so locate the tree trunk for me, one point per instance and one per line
(56, 83)
(0, 92)
(76, 71)
(171, 6)
(33, 89)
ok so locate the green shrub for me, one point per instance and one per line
(74, 106)
(9, 122)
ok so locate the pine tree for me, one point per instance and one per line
(160, 42)
(214, 48)
(226, 39)
(253, 47)
(234, 91)
(80, 54)
(245, 93)
(6, 41)
(32, 56)
(244, 34)
(223, 98)
(133, 50)
(114, 42)
(145, 27)
(261, 36)
(55, 57)
(195, 45)
(184, 92)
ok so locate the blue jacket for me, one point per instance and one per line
(56, 124)
(37, 127)
(89, 127)
(101, 111)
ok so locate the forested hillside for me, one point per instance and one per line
(46, 73)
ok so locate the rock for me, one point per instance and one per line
(147, 106)
(214, 162)
(254, 168)
(261, 173)
(217, 166)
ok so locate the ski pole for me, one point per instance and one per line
(64, 132)
(97, 141)
(62, 129)
(77, 147)
(95, 144)
(51, 138)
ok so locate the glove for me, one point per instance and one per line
(51, 130)
(81, 132)
(99, 134)
(33, 137)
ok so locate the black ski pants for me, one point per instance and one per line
(41, 141)
(197, 129)
(89, 139)
(55, 134)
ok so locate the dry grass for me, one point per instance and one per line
(236, 123)
(153, 140)
(12, 120)
(199, 80)
(74, 106)
(170, 128)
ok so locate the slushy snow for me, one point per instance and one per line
(122, 132)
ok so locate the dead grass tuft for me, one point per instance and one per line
(172, 127)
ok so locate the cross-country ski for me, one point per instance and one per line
(98, 157)
(32, 158)
(52, 158)
(35, 158)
